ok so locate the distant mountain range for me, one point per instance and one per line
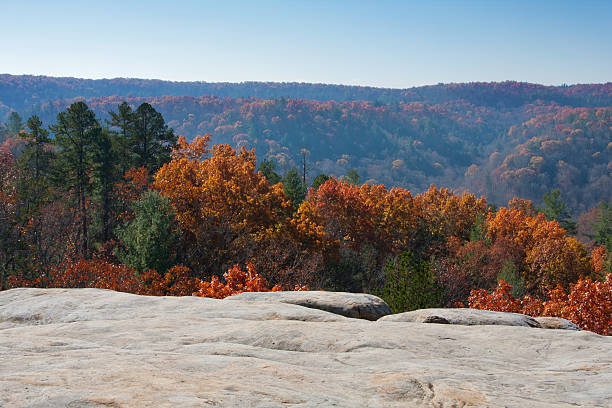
(499, 139)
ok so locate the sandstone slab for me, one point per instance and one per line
(556, 323)
(356, 305)
(98, 348)
(466, 317)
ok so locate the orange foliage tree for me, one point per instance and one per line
(550, 258)
(222, 204)
(353, 215)
(448, 214)
(344, 220)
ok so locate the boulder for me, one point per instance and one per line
(355, 305)
(99, 348)
(556, 323)
(467, 317)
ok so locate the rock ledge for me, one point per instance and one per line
(98, 348)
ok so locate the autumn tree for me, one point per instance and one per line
(468, 265)
(354, 217)
(76, 132)
(550, 258)
(449, 214)
(524, 206)
(236, 281)
(134, 183)
(587, 303)
(221, 203)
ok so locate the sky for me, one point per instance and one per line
(381, 43)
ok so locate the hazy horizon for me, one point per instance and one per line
(298, 82)
(389, 44)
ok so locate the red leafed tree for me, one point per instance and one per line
(588, 303)
(135, 182)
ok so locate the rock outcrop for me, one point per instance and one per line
(356, 305)
(98, 348)
(466, 317)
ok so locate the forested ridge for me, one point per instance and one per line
(208, 195)
(497, 139)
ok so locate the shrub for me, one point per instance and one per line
(237, 281)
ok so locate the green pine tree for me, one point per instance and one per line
(105, 175)
(267, 167)
(151, 238)
(122, 124)
(150, 141)
(409, 284)
(34, 185)
(319, 181)
(76, 132)
(14, 124)
(556, 209)
(294, 188)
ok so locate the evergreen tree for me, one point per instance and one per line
(150, 141)
(76, 133)
(511, 274)
(106, 174)
(556, 209)
(319, 181)
(603, 226)
(152, 236)
(294, 188)
(409, 284)
(34, 186)
(123, 123)
(37, 154)
(267, 167)
(14, 124)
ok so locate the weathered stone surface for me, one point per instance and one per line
(467, 317)
(356, 305)
(97, 348)
(556, 323)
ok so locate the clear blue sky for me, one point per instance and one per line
(377, 42)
